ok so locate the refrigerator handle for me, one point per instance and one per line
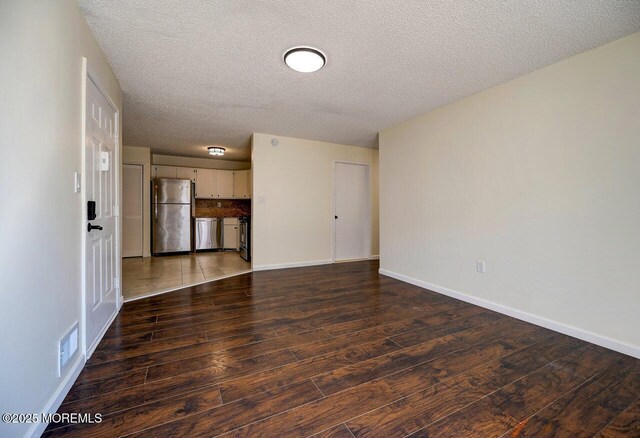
(193, 199)
(155, 202)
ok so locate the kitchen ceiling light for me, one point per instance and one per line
(214, 150)
(304, 59)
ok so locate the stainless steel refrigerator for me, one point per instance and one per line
(171, 213)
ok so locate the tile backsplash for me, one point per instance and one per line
(228, 207)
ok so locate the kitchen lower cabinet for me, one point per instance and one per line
(231, 233)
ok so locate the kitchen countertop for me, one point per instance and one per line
(198, 216)
(222, 208)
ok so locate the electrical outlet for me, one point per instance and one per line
(480, 266)
(219, 204)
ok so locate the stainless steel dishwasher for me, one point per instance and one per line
(208, 233)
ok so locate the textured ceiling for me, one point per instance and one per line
(202, 72)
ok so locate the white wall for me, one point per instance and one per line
(375, 203)
(540, 177)
(140, 155)
(206, 163)
(40, 217)
(292, 212)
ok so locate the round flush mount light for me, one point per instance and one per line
(304, 59)
(215, 150)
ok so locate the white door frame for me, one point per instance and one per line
(367, 167)
(89, 74)
(136, 163)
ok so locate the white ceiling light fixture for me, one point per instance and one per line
(216, 150)
(305, 59)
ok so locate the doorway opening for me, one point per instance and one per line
(132, 210)
(194, 239)
(352, 219)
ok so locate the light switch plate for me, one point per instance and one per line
(104, 161)
(481, 267)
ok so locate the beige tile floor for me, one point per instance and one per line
(143, 276)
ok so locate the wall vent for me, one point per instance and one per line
(67, 348)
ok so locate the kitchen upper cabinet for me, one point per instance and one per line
(211, 183)
(186, 173)
(165, 172)
(224, 184)
(242, 184)
(206, 183)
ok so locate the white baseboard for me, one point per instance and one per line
(584, 335)
(374, 257)
(58, 396)
(292, 265)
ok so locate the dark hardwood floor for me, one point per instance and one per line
(336, 351)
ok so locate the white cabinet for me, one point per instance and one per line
(174, 172)
(224, 184)
(206, 183)
(242, 184)
(186, 173)
(231, 238)
(211, 183)
(164, 172)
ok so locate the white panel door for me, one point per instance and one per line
(101, 183)
(132, 210)
(351, 215)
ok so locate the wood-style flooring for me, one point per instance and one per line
(341, 351)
